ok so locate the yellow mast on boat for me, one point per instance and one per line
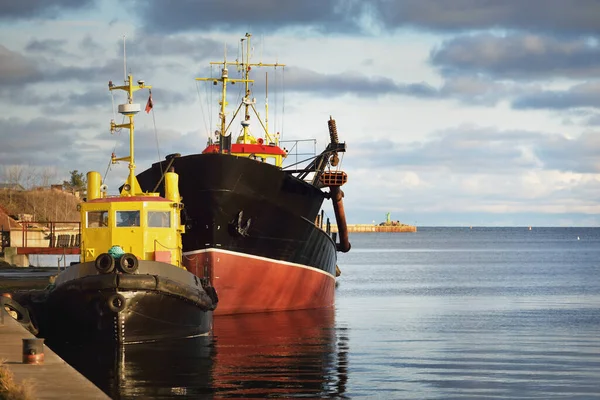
(224, 79)
(131, 187)
(249, 103)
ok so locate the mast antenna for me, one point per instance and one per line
(124, 61)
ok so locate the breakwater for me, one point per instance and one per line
(377, 228)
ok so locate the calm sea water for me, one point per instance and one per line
(444, 313)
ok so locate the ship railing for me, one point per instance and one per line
(299, 150)
(301, 153)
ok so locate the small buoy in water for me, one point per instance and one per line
(577, 237)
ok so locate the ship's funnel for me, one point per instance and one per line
(94, 181)
(172, 187)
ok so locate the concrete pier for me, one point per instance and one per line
(377, 228)
(54, 379)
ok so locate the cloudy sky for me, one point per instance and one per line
(462, 112)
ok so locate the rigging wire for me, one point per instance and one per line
(107, 169)
(202, 109)
(275, 101)
(210, 115)
(283, 101)
(155, 131)
(241, 75)
(156, 134)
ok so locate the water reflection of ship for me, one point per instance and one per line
(161, 370)
(295, 354)
(283, 354)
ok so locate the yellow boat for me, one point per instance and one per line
(130, 285)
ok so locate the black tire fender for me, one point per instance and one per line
(116, 302)
(14, 306)
(23, 316)
(104, 263)
(128, 263)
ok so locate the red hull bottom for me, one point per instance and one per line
(251, 284)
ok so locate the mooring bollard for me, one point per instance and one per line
(33, 351)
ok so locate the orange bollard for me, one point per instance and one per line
(33, 351)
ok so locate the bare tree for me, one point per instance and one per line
(13, 174)
(48, 175)
(31, 177)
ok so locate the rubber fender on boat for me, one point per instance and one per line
(187, 292)
(23, 317)
(128, 263)
(116, 302)
(136, 282)
(212, 293)
(104, 263)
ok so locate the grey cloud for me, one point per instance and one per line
(91, 92)
(174, 45)
(471, 90)
(479, 91)
(466, 89)
(458, 149)
(518, 56)
(259, 15)
(15, 69)
(46, 46)
(166, 98)
(304, 80)
(42, 139)
(581, 116)
(487, 150)
(352, 17)
(554, 16)
(96, 73)
(577, 155)
(368, 62)
(89, 45)
(99, 97)
(582, 95)
(11, 9)
(594, 120)
(167, 141)
(73, 102)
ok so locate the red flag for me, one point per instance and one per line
(149, 104)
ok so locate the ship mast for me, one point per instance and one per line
(130, 109)
(224, 79)
(248, 102)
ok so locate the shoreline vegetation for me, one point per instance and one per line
(42, 205)
(12, 390)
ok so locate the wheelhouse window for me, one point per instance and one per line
(97, 219)
(159, 219)
(128, 218)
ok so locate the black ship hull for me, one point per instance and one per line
(158, 302)
(257, 217)
(241, 205)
